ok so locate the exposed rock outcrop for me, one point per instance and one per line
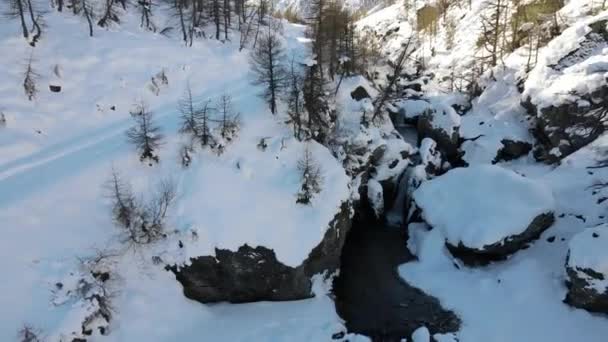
(247, 275)
(448, 142)
(512, 150)
(569, 114)
(254, 274)
(359, 94)
(586, 268)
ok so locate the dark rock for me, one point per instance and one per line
(54, 88)
(414, 86)
(551, 239)
(254, 274)
(325, 257)
(446, 143)
(359, 94)
(338, 336)
(512, 150)
(581, 294)
(247, 275)
(502, 249)
(102, 276)
(377, 155)
(553, 125)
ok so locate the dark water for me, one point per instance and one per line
(372, 298)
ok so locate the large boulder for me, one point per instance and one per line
(587, 270)
(485, 212)
(442, 124)
(512, 149)
(567, 90)
(247, 275)
(254, 274)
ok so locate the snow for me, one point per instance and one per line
(496, 115)
(549, 84)
(428, 154)
(413, 108)
(484, 205)
(57, 152)
(587, 251)
(54, 207)
(521, 298)
(375, 196)
(421, 335)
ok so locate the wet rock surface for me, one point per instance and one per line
(373, 299)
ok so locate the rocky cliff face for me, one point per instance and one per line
(254, 274)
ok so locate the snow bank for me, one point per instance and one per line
(482, 205)
(571, 65)
(588, 250)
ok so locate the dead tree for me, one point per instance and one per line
(267, 64)
(109, 15)
(24, 10)
(123, 201)
(145, 135)
(195, 119)
(404, 55)
(311, 177)
(228, 118)
(88, 12)
(145, 9)
(29, 334)
(142, 222)
(30, 78)
(295, 103)
(16, 9)
(36, 18)
(494, 27)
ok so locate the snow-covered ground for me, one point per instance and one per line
(519, 299)
(58, 151)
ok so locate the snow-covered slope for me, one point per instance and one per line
(58, 151)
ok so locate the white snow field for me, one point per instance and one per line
(57, 152)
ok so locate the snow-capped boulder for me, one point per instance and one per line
(375, 196)
(566, 91)
(254, 274)
(247, 275)
(587, 270)
(485, 212)
(430, 156)
(442, 124)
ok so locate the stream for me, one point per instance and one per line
(371, 297)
